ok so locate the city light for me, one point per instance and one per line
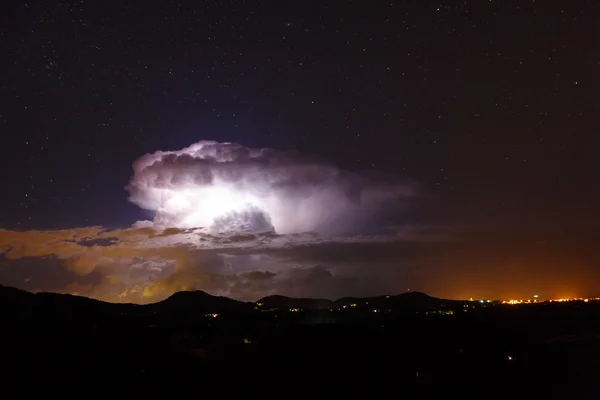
(560, 300)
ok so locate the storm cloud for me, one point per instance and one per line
(226, 187)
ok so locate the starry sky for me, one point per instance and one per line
(488, 108)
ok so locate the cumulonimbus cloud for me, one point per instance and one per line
(226, 187)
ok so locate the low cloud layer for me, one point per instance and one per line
(144, 265)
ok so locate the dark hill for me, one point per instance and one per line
(199, 301)
(22, 304)
(412, 301)
(405, 301)
(8, 293)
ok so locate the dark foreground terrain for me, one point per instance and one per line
(194, 344)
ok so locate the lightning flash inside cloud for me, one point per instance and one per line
(227, 187)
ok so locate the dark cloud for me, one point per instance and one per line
(98, 241)
(303, 282)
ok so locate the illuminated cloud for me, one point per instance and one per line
(226, 187)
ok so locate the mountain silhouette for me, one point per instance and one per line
(200, 301)
(20, 304)
(411, 301)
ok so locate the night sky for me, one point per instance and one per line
(487, 109)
